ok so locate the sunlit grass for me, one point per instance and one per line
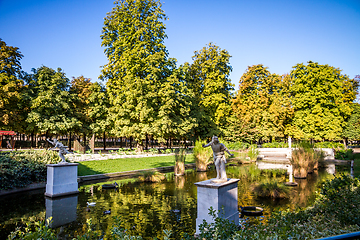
(127, 164)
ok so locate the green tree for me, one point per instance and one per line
(12, 104)
(98, 109)
(139, 70)
(262, 106)
(175, 119)
(352, 128)
(51, 104)
(321, 99)
(209, 79)
(80, 89)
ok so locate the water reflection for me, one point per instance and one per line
(147, 209)
(330, 168)
(61, 210)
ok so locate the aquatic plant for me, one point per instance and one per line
(180, 156)
(202, 155)
(305, 159)
(271, 189)
(253, 152)
(151, 176)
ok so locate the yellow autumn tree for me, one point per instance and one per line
(262, 108)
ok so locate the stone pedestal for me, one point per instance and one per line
(61, 179)
(62, 210)
(222, 197)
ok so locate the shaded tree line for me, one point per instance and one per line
(146, 96)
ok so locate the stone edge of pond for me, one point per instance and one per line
(36, 186)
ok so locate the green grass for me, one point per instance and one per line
(127, 164)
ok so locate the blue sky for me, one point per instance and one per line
(276, 33)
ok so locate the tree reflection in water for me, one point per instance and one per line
(146, 209)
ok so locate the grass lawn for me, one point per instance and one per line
(127, 164)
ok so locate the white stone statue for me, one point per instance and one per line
(219, 150)
(62, 149)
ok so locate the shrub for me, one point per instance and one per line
(334, 145)
(347, 154)
(235, 145)
(219, 229)
(154, 150)
(335, 212)
(40, 230)
(20, 168)
(275, 145)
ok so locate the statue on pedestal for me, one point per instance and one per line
(62, 149)
(219, 150)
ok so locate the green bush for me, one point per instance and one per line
(20, 168)
(347, 154)
(335, 212)
(41, 230)
(236, 145)
(275, 145)
(219, 229)
(334, 145)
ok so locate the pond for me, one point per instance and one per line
(147, 209)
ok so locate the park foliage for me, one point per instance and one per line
(21, 168)
(147, 96)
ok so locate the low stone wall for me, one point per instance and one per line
(282, 153)
(274, 153)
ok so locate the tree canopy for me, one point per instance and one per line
(262, 105)
(12, 105)
(139, 73)
(321, 98)
(209, 78)
(51, 109)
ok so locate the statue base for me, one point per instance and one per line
(222, 197)
(219, 180)
(61, 179)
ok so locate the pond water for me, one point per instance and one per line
(147, 209)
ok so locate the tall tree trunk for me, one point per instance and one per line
(46, 142)
(146, 142)
(32, 140)
(69, 141)
(131, 142)
(104, 141)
